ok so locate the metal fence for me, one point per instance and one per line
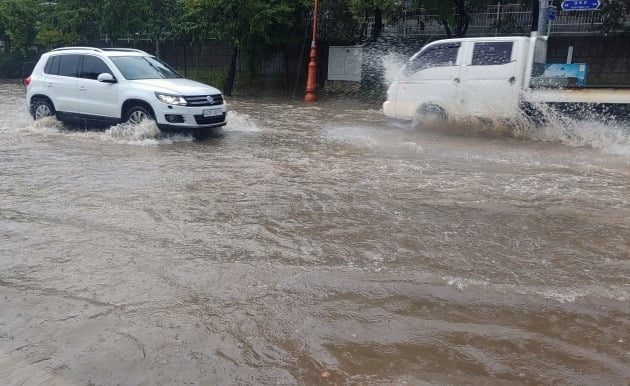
(499, 20)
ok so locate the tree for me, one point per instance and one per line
(613, 15)
(376, 8)
(164, 16)
(454, 14)
(3, 30)
(120, 18)
(19, 18)
(238, 23)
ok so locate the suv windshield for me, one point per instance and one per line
(143, 67)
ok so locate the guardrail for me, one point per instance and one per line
(502, 20)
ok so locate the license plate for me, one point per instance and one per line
(212, 112)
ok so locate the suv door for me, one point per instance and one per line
(60, 81)
(96, 98)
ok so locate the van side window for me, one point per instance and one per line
(490, 54)
(93, 67)
(69, 65)
(440, 55)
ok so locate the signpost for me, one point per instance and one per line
(580, 5)
(551, 16)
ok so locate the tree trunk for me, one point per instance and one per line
(3, 37)
(449, 33)
(463, 20)
(378, 24)
(462, 25)
(229, 82)
(7, 42)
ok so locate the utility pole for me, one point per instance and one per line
(311, 77)
(543, 21)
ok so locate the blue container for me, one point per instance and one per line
(577, 71)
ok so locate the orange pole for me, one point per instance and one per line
(311, 78)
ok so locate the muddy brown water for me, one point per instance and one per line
(312, 244)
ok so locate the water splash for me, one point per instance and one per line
(143, 134)
(392, 65)
(561, 294)
(146, 129)
(241, 122)
(604, 133)
(598, 131)
(45, 126)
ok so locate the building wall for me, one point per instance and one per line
(608, 58)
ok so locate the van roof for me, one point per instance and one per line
(484, 39)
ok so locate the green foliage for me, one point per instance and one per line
(213, 77)
(123, 18)
(239, 22)
(73, 19)
(19, 18)
(453, 14)
(163, 18)
(246, 24)
(613, 16)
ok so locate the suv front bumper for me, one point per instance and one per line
(185, 118)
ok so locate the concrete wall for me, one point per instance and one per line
(608, 57)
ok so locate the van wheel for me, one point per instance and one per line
(431, 113)
(42, 108)
(429, 116)
(137, 114)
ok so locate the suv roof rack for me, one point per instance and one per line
(124, 50)
(78, 48)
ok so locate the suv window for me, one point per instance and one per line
(93, 67)
(440, 55)
(143, 67)
(69, 65)
(489, 54)
(52, 66)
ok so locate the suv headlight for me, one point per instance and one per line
(171, 99)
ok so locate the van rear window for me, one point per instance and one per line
(492, 54)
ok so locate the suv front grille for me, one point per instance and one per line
(204, 100)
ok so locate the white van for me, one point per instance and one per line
(484, 77)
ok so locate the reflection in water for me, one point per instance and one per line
(311, 244)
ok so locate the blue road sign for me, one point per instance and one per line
(580, 5)
(551, 15)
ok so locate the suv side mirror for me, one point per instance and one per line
(106, 78)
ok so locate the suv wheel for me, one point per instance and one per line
(137, 114)
(42, 108)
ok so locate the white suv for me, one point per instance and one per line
(113, 85)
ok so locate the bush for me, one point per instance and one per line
(215, 78)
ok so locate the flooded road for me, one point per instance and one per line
(312, 245)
